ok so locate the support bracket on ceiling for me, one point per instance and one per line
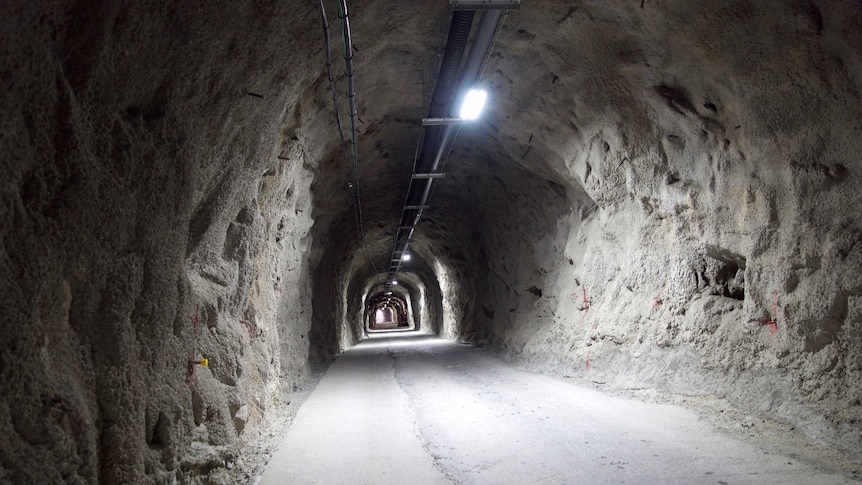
(443, 121)
(416, 207)
(428, 175)
(485, 4)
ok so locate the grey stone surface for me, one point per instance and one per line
(651, 185)
(458, 415)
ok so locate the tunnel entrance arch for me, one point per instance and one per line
(386, 315)
(387, 311)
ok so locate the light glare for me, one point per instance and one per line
(405, 257)
(473, 104)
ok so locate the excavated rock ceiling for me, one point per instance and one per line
(678, 108)
(660, 194)
(566, 78)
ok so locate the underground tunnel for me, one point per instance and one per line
(206, 204)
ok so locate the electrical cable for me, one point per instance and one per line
(348, 56)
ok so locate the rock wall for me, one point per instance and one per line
(722, 254)
(155, 212)
(657, 196)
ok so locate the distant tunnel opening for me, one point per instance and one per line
(386, 312)
(386, 315)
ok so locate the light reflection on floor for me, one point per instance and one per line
(401, 339)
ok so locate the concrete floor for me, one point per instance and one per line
(421, 410)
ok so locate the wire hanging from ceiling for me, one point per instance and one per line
(351, 95)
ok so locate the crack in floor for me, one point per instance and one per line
(426, 443)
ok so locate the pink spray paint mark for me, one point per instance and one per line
(773, 322)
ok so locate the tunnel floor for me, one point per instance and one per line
(418, 409)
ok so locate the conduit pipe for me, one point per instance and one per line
(354, 184)
(469, 75)
(329, 73)
(456, 43)
(351, 98)
(438, 139)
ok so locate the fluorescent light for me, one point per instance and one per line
(473, 104)
(405, 257)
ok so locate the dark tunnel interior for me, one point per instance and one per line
(655, 196)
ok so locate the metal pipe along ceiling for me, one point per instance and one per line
(438, 138)
(351, 98)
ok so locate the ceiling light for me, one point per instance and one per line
(473, 104)
(394, 282)
(388, 293)
(405, 257)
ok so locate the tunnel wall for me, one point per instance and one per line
(451, 242)
(722, 254)
(647, 177)
(153, 212)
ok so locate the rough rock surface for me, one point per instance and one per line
(722, 164)
(658, 196)
(148, 223)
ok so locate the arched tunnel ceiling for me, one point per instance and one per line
(562, 78)
(588, 103)
(486, 173)
(658, 193)
(662, 128)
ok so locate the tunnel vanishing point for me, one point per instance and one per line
(658, 194)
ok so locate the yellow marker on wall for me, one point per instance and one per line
(204, 362)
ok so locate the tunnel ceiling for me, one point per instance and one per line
(657, 195)
(489, 169)
(631, 155)
(562, 79)
(597, 112)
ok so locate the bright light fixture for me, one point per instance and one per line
(394, 282)
(388, 292)
(405, 257)
(473, 104)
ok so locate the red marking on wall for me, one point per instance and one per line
(280, 289)
(584, 315)
(772, 323)
(586, 304)
(196, 322)
(589, 341)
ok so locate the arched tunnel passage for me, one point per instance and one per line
(388, 312)
(654, 198)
